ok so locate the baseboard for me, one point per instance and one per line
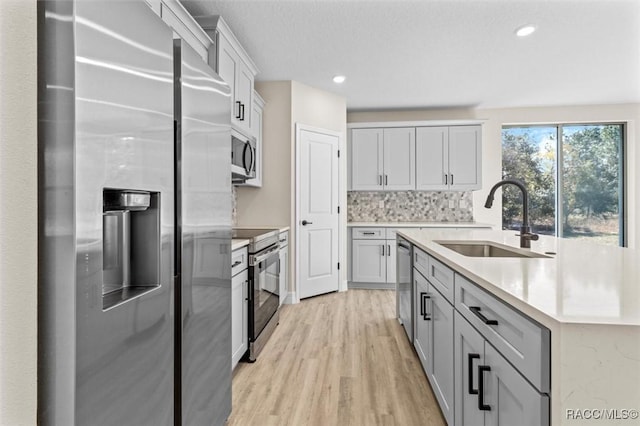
(372, 286)
(291, 299)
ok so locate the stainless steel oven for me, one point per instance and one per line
(264, 286)
(243, 157)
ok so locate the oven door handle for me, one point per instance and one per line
(255, 259)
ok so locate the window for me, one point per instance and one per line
(575, 177)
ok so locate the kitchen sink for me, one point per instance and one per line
(487, 249)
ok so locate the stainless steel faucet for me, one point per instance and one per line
(525, 231)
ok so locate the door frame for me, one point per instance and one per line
(342, 284)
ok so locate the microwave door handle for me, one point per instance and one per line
(253, 159)
(244, 156)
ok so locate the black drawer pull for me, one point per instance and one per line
(368, 233)
(423, 306)
(470, 358)
(476, 310)
(236, 263)
(481, 405)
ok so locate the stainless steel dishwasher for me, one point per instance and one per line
(404, 288)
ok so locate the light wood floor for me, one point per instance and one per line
(338, 359)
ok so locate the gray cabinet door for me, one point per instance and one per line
(284, 273)
(465, 158)
(366, 160)
(422, 339)
(468, 354)
(399, 159)
(239, 312)
(442, 376)
(512, 400)
(369, 261)
(432, 158)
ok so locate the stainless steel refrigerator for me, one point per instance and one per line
(134, 222)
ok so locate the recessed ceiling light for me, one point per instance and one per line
(525, 30)
(339, 79)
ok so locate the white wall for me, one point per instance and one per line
(18, 212)
(492, 145)
(270, 205)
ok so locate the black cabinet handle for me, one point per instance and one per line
(452, 179)
(368, 233)
(446, 177)
(481, 405)
(386, 179)
(382, 249)
(470, 358)
(238, 103)
(476, 310)
(236, 263)
(421, 299)
(380, 180)
(241, 112)
(423, 306)
(388, 250)
(247, 283)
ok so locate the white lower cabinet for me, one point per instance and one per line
(284, 266)
(434, 341)
(489, 390)
(373, 256)
(368, 261)
(239, 315)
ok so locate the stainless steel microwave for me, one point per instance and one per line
(243, 157)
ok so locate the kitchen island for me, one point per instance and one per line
(588, 298)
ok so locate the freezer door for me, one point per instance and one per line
(203, 141)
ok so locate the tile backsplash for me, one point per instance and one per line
(409, 206)
(234, 206)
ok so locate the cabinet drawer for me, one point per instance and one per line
(391, 233)
(519, 339)
(367, 233)
(284, 238)
(239, 261)
(441, 277)
(421, 261)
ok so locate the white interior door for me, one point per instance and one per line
(318, 218)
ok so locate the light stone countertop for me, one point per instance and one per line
(419, 224)
(280, 228)
(587, 295)
(238, 243)
(584, 283)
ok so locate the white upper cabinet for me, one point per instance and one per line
(236, 73)
(184, 26)
(449, 158)
(465, 158)
(236, 68)
(399, 159)
(366, 159)
(432, 158)
(383, 159)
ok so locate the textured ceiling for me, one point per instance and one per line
(436, 53)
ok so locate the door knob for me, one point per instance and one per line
(305, 223)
